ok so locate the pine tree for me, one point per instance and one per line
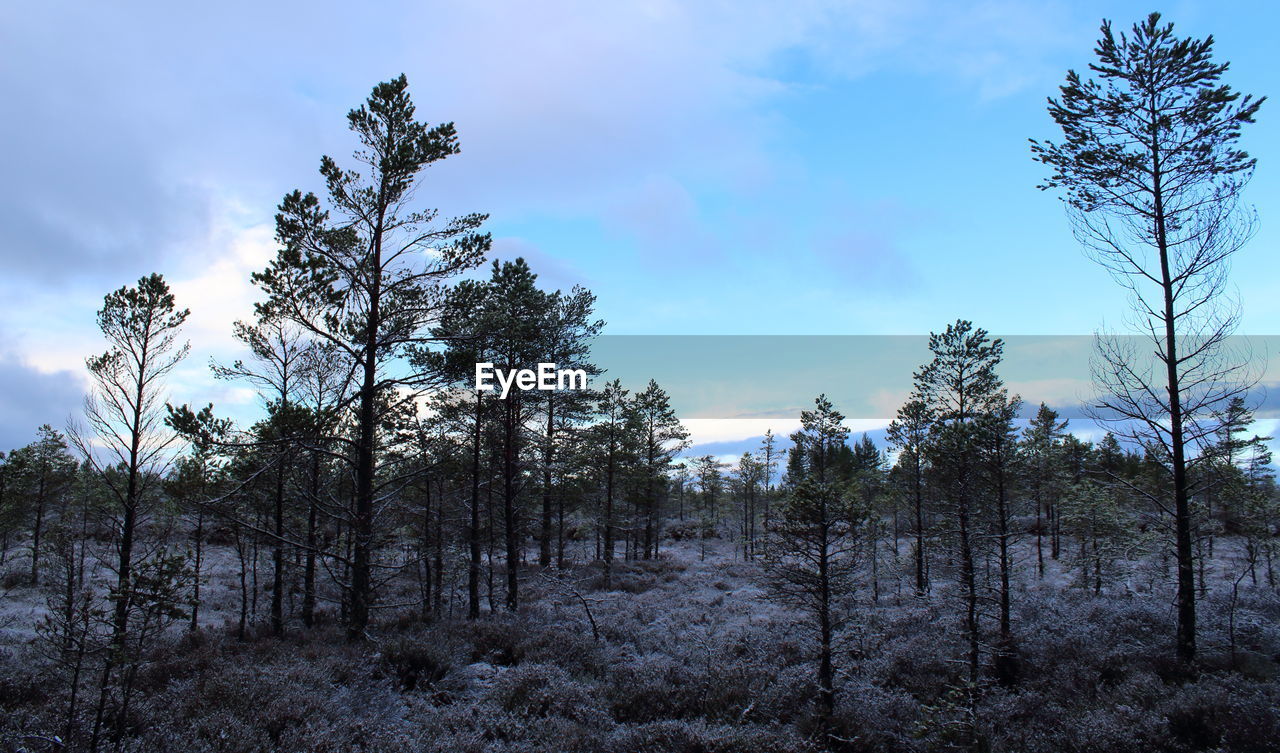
(1152, 176)
(750, 478)
(1000, 457)
(661, 437)
(516, 311)
(565, 339)
(125, 414)
(279, 354)
(369, 281)
(1042, 445)
(810, 553)
(909, 432)
(769, 463)
(960, 386)
(710, 474)
(613, 447)
(42, 472)
(1092, 512)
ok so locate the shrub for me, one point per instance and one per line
(498, 640)
(699, 737)
(653, 688)
(416, 663)
(545, 690)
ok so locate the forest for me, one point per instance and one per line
(388, 558)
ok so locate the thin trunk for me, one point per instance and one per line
(36, 531)
(1055, 540)
(437, 557)
(875, 561)
(493, 603)
(510, 514)
(195, 590)
(244, 587)
(253, 572)
(124, 568)
(608, 515)
(473, 529)
(968, 577)
(309, 565)
(424, 553)
(277, 556)
(1006, 564)
(1039, 531)
(366, 462)
(544, 535)
(922, 579)
(826, 673)
(1186, 597)
(560, 531)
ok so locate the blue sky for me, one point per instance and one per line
(704, 167)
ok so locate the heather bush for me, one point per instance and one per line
(697, 661)
(496, 640)
(700, 737)
(544, 690)
(416, 663)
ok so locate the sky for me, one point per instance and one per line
(709, 168)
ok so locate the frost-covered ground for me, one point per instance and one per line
(691, 655)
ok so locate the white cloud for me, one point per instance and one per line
(704, 430)
(707, 430)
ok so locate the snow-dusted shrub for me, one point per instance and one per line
(654, 687)
(1032, 723)
(416, 662)
(787, 697)
(871, 718)
(1224, 712)
(632, 582)
(498, 639)
(545, 690)
(700, 737)
(488, 728)
(12, 579)
(20, 682)
(915, 653)
(1075, 642)
(572, 650)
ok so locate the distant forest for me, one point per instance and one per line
(389, 559)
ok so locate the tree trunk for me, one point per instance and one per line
(1186, 596)
(922, 580)
(277, 556)
(510, 456)
(309, 564)
(608, 518)
(473, 529)
(968, 577)
(544, 535)
(195, 595)
(826, 673)
(37, 530)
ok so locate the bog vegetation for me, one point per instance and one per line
(389, 559)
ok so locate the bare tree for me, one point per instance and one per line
(1152, 179)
